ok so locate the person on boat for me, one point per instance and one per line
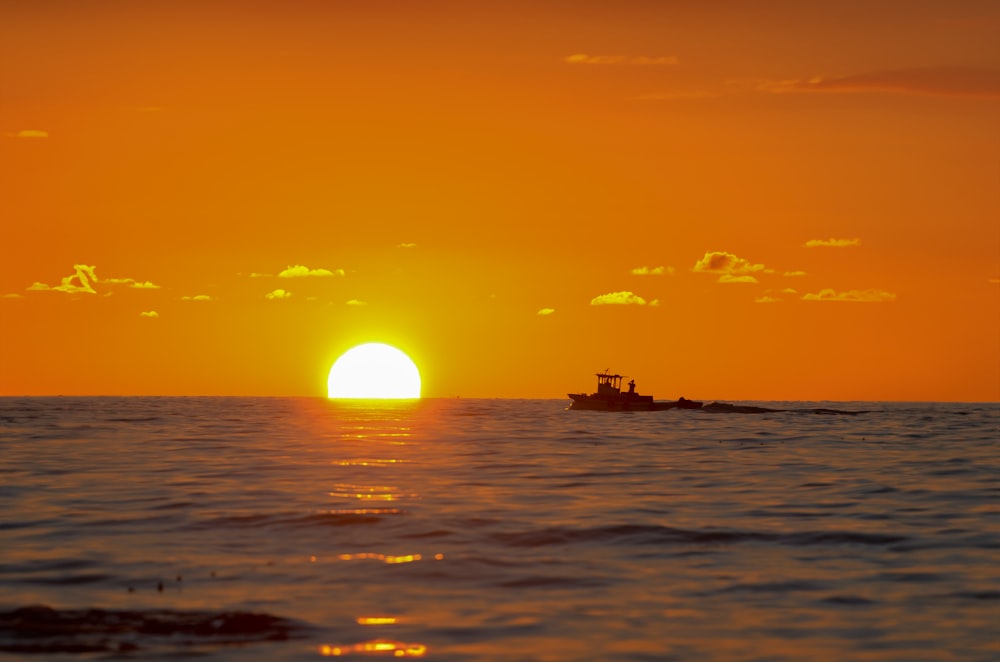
(631, 386)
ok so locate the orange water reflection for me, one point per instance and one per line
(377, 620)
(374, 647)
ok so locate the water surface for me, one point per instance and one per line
(514, 529)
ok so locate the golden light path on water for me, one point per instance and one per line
(381, 431)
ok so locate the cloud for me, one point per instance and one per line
(12, 295)
(730, 278)
(278, 294)
(832, 243)
(652, 271)
(672, 96)
(631, 60)
(299, 271)
(406, 245)
(793, 274)
(254, 274)
(197, 297)
(546, 311)
(29, 133)
(936, 81)
(131, 282)
(78, 282)
(356, 302)
(721, 262)
(995, 281)
(149, 313)
(618, 299)
(766, 299)
(860, 296)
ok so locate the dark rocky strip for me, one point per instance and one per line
(41, 630)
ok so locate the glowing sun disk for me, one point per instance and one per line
(374, 370)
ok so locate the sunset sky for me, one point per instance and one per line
(724, 200)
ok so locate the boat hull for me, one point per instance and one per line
(626, 403)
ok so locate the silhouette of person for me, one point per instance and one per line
(631, 386)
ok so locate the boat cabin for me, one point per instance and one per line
(611, 385)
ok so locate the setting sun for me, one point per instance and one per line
(374, 370)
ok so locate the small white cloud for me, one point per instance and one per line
(546, 311)
(197, 297)
(794, 274)
(624, 298)
(278, 294)
(729, 278)
(652, 271)
(766, 299)
(299, 271)
(149, 313)
(254, 274)
(144, 286)
(721, 262)
(860, 296)
(832, 243)
(406, 245)
(13, 295)
(29, 133)
(356, 302)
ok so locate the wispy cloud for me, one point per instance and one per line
(149, 313)
(624, 298)
(77, 282)
(406, 245)
(766, 299)
(672, 96)
(278, 294)
(131, 282)
(794, 274)
(12, 295)
(29, 133)
(652, 271)
(546, 311)
(938, 81)
(832, 243)
(299, 271)
(730, 278)
(857, 296)
(356, 302)
(197, 297)
(630, 60)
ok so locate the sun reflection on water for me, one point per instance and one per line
(374, 647)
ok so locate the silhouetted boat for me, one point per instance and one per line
(609, 397)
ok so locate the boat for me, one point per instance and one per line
(609, 397)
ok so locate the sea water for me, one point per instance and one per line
(497, 529)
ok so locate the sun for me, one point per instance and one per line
(374, 370)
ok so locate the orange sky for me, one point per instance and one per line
(724, 200)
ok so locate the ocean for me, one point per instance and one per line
(455, 529)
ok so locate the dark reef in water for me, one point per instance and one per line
(42, 630)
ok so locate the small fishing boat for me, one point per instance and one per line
(609, 397)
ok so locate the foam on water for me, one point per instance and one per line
(480, 529)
